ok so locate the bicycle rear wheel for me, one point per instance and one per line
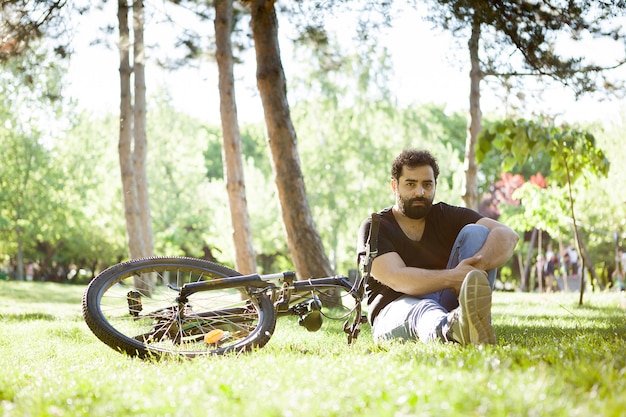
(133, 307)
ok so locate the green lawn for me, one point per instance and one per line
(553, 358)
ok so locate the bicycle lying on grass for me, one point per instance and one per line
(154, 307)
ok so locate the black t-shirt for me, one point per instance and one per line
(443, 224)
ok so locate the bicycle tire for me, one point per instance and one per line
(146, 321)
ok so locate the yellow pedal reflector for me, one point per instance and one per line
(213, 336)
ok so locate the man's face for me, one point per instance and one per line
(415, 191)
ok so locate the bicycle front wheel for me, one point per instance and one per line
(133, 307)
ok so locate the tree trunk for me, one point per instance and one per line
(140, 151)
(131, 207)
(132, 161)
(146, 282)
(529, 262)
(245, 258)
(19, 262)
(587, 264)
(579, 243)
(540, 260)
(470, 193)
(302, 237)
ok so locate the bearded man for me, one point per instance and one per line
(436, 263)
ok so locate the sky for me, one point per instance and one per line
(429, 67)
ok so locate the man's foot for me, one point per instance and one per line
(470, 323)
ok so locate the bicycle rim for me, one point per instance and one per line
(133, 308)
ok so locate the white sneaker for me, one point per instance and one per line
(470, 323)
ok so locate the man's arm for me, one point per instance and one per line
(498, 247)
(391, 270)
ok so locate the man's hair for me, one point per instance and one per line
(413, 158)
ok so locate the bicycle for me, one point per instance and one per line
(187, 307)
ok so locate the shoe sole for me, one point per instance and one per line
(475, 301)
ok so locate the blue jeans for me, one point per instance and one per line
(425, 317)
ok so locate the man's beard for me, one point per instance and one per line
(415, 212)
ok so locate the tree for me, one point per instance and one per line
(193, 45)
(25, 190)
(187, 205)
(614, 187)
(140, 150)
(29, 99)
(94, 229)
(23, 23)
(303, 240)
(523, 39)
(573, 154)
(538, 209)
(131, 206)
(132, 142)
(245, 258)
(47, 213)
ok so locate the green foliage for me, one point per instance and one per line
(188, 195)
(535, 369)
(544, 208)
(600, 205)
(25, 23)
(491, 166)
(573, 152)
(253, 150)
(182, 155)
(352, 152)
(26, 177)
(45, 171)
(345, 161)
(53, 193)
(68, 192)
(91, 189)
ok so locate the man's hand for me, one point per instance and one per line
(465, 267)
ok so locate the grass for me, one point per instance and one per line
(553, 358)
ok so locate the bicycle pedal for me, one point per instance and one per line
(311, 321)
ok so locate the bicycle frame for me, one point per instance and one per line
(281, 286)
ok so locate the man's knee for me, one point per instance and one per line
(474, 235)
(474, 229)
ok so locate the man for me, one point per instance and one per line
(436, 264)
